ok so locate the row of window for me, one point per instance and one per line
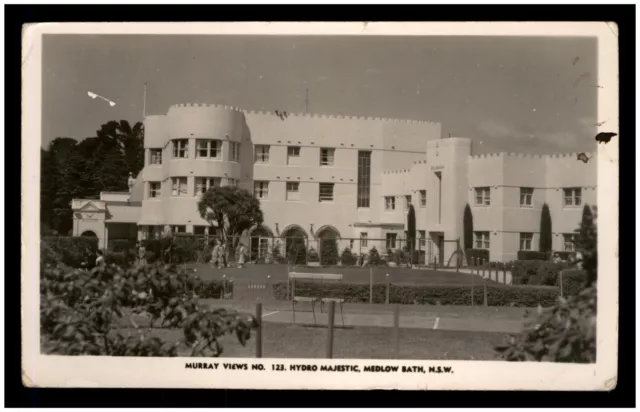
(205, 149)
(179, 186)
(390, 201)
(261, 155)
(572, 196)
(325, 191)
(482, 241)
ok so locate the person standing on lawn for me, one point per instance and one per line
(100, 259)
(142, 251)
(241, 257)
(215, 254)
(222, 255)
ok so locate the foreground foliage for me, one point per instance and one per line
(83, 312)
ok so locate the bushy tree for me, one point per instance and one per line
(467, 223)
(232, 211)
(347, 258)
(545, 230)
(72, 169)
(587, 245)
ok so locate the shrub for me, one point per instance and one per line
(501, 265)
(121, 245)
(72, 251)
(80, 312)
(565, 333)
(276, 253)
(313, 255)
(329, 252)
(123, 258)
(497, 294)
(398, 256)
(477, 256)
(374, 257)
(545, 230)
(467, 224)
(297, 250)
(533, 255)
(574, 281)
(536, 272)
(347, 258)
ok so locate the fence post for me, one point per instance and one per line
(332, 310)
(396, 330)
(388, 286)
(561, 285)
(259, 330)
(370, 285)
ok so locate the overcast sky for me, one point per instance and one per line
(532, 95)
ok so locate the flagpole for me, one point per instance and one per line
(144, 103)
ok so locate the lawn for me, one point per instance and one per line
(398, 276)
(296, 341)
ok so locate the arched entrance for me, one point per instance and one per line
(328, 245)
(260, 242)
(295, 244)
(89, 233)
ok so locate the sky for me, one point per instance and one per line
(511, 94)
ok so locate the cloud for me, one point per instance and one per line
(374, 71)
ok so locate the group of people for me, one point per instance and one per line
(219, 255)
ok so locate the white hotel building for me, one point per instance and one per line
(349, 177)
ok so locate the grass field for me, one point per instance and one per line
(398, 276)
(293, 341)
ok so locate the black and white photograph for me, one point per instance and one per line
(269, 208)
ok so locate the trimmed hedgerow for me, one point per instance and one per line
(574, 281)
(533, 255)
(73, 251)
(497, 294)
(477, 256)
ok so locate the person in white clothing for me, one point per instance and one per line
(100, 259)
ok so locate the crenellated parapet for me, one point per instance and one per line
(530, 155)
(278, 114)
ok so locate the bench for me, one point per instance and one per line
(322, 277)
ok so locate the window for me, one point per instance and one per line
(526, 197)
(483, 196)
(364, 239)
(181, 148)
(364, 179)
(205, 183)
(423, 198)
(232, 182)
(178, 229)
(423, 238)
(327, 157)
(155, 189)
(179, 186)
(569, 242)
(234, 156)
(209, 149)
(293, 155)
(407, 201)
(573, 196)
(261, 190)
(482, 240)
(156, 156)
(326, 192)
(293, 191)
(390, 203)
(261, 154)
(391, 240)
(525, 241)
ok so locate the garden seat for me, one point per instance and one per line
(322, 277)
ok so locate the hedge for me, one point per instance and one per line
(563, 255)
(536, 272)
(497, 294)
(73, 251)
(533, 255)
(477, 256)
(574, 281)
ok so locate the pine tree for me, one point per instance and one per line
(545, 230)
(411, 231)
(467, 223)
(587, 245)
